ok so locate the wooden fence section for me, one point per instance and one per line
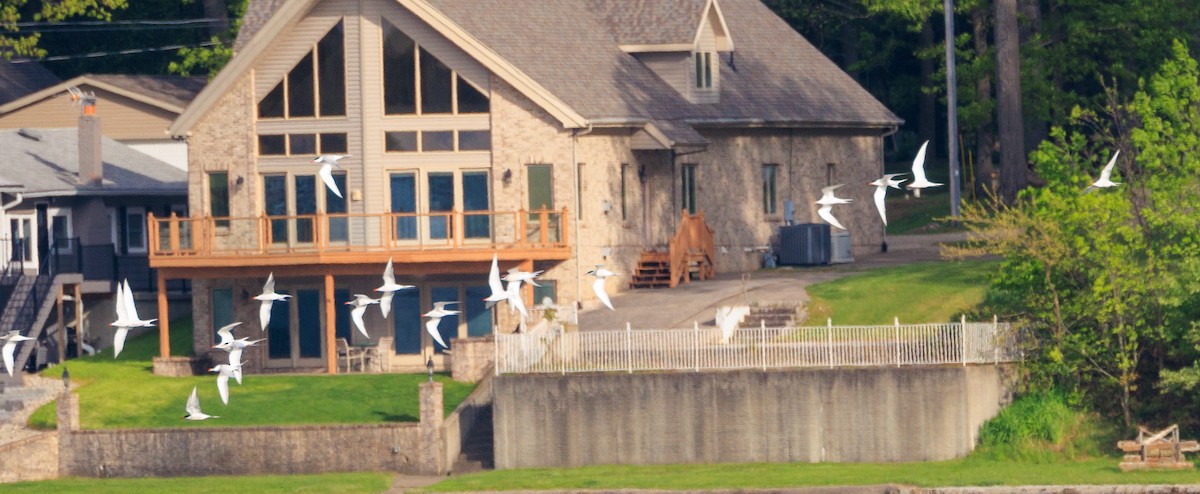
(766, 348)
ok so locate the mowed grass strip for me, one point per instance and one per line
(349, 483)
(916, 293)
(967, 472)
(124, 393)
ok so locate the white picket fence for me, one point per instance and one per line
(763, 348)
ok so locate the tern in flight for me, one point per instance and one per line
(435, 317)
(498, 291)
(827, 201)
(601, 275)
(193, 409)
(388, 290)
(224, 372)
(881, 187)
(127, 317)
(268, 296)
(328, 163)
(10, 348)
(918, 170)
(360, 304)
(1105, 179)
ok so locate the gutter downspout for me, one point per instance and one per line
(575, 133)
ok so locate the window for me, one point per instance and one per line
(408, 68)
(624, 201)
(548, 291)
(769, 173)
(218, 197)
(301, 144)
(222, 310)
(687, 175)
(437, 141)
(829, 174)
(316, 85)
(338, 227)
(60, 230)
(404, 200)
(474, 140)
(475, 199)
(399, 142)
(135, 230)
(291, 201)
(704, 70)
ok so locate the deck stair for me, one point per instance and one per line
(27, 311)
(689, 254)
(771, 316)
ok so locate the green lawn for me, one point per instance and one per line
(350, 483)
(123, 393)
(916, 293)
(908, 214)
(777, 475)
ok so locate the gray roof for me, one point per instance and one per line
(49, 166)
(174, 90)
(651, 22)
(571, 48)
(22, 78)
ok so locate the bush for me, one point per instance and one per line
(1042, 427)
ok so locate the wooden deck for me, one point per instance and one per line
(353, 239)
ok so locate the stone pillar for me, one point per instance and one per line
(473, 358)
(68, 421)
(432, 415)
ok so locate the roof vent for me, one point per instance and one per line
(30, 134)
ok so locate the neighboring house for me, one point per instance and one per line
(80, 207)
(21, 77)
(557, 134)
(137, 109)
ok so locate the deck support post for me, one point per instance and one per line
(79, 319)
(62, 326)
(164, 331)
(330, 327)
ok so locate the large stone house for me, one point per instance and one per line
(556, 134)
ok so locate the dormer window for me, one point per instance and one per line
(704, 70)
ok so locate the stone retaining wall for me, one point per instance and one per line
(32, 458)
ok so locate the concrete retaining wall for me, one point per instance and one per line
(810, 415)
(29, 459)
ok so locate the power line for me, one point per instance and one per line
(150, 22)
(112, 53)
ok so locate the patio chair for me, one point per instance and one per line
(348, 354)
(380, 355)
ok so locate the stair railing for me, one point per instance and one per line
(693, 236)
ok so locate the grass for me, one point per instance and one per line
(916, 293)
(124, 393)
(349, 483)
(966, 472)
(907, 214)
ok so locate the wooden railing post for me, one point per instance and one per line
(522, 227)
(152, 223)
(544, 221)
(562, 227)
(460, 231)
(172, 232)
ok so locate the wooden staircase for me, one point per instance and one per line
(689, 254)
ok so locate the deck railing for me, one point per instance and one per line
(751, 348)
(285, 234)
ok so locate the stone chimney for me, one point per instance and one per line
(91, 163)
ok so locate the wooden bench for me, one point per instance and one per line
(1161, 450)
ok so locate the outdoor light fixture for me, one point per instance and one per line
(66, 378)
(429, 367)
(507, 177)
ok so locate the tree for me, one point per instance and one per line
(1008, 96)
(14, 41)
(1107, 283)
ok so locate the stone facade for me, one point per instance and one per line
(473, 358)
(30, 459)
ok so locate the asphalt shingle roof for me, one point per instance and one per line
(50, 166)
(175, 90)
(20, 79)
(571, 47)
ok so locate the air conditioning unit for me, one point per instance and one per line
(840, 247)
(806, 244)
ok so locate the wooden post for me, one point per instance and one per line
(526, 288)
(62, 326)
(79, 319)
(164, 316)
(330, 327)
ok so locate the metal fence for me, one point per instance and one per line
(764, 348)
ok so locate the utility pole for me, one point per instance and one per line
(951, 110)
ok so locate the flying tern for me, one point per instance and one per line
(268, 296)
(193, 409)
(498, 291)
(515, 274)
(827, 201)
(601, 275)
(435, 317)
(10, 348)
(389, 289)
(328, 163)
(360, 304)
(224, 372)
(881, 186)
(1105, 179)
(918, 170)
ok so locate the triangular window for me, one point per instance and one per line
(315, 87)
(409, 68)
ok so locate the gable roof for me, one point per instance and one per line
(49, 166)
(566, 56)
(21, 77)
(170, 93)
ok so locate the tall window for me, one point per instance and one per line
(408, 68)
(579, 191)
(475, 199)
(315, 87)
(624, 201)
(687, 175)
(829, 174)
(704, 70)
(404, 200)
(218, 197)
(135, 230)
(222, 310)
(769, 174)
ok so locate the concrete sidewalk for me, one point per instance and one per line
(697, 301)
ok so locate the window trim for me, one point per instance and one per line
(129, 248)
(51, 214)
(313, 52)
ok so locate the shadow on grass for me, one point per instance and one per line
(391, 417)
